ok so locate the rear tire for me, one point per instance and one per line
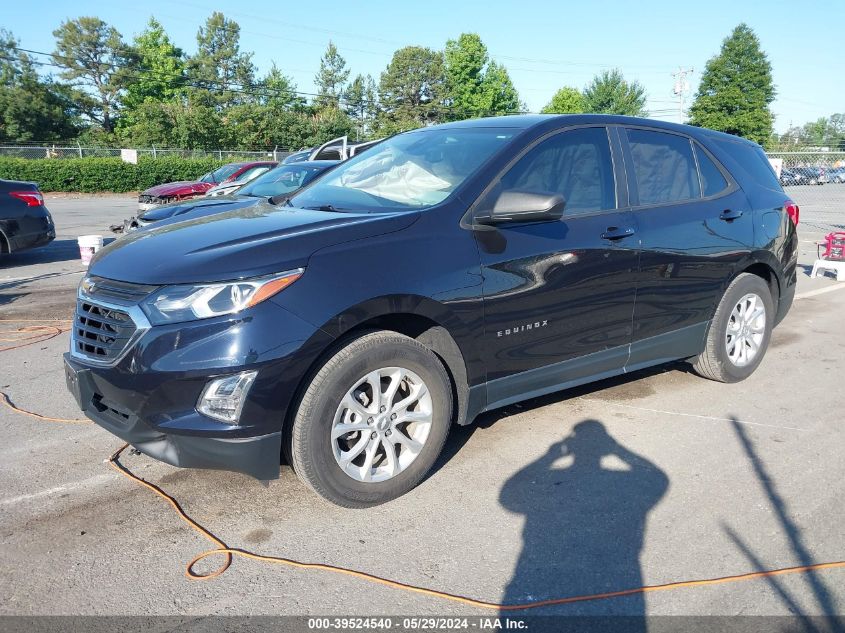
(739, 333)
(372, 421)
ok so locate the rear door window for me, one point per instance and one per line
(576, 164)
(664, 167)
(712, 179)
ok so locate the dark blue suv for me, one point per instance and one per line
(445, 272)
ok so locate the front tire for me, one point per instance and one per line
(739, 333)
(372, 421)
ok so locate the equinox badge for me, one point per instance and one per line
(522, 328)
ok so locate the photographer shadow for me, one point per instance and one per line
(585, 503)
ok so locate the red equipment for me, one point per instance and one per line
(834, 247)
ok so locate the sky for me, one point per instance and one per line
(544, 44)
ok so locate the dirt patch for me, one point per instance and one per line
(175, 477)
(781, 338)
(633, 390)
(261, 535)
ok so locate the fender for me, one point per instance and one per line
(393, 307)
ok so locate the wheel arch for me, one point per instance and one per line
(763, 265)
(424, 320)
(5, 244)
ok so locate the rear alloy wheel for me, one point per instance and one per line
(746, 330)
(372, 421)
(740, 331)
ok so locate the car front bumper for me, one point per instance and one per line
(257, 456)
(148, 398)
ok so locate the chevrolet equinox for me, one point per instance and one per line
(447, 271)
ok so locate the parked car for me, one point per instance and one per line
(231, 186)
(812, 175)
(791, 177)
(24, 220)
(283, 180)
(176, 191)
(298, 157)
(339, 148)
(837, 174)
(447, 271)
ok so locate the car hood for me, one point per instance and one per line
(256, 240)
(180, 188)
(221, 203)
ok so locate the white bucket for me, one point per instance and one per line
(88, 245)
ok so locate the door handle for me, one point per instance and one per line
(617, 233)
(729, 214)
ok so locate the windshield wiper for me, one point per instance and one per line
(324, 207)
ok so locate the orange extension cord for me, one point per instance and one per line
(43, 331)
(229, 552)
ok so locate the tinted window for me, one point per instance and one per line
(664, 167)
(712, 180)
(575, 164)
(754, 161)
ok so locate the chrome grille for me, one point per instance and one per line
(101, 333)
(107, 319)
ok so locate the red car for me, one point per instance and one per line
(176, 191)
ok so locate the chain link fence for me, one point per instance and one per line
(816, 182)
(67, 150)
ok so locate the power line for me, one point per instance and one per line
(380, 40)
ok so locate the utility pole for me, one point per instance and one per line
(681, 88)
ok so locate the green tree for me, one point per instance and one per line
(97, 63)
(736, 89)
(360, 103)
(565, 101)
(610, 93)
(331, 78)
(411, 90)
(161, 68)
(221, 73)
(501, 96)
(475, 85)
(31, 108)
(465, 61)
(278, 91)
(823, 132)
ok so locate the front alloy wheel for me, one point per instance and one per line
(372, 420)
(382, 424)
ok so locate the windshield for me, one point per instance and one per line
(410, 171)
(221, 173)
(282, 180)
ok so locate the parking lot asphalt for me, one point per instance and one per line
(652, 478)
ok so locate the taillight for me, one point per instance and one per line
(792, 211)
(32, 198)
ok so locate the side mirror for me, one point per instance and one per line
(523, 206)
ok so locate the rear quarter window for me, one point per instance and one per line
(752, 159)
(712, 179)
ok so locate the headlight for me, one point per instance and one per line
(175, 304)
